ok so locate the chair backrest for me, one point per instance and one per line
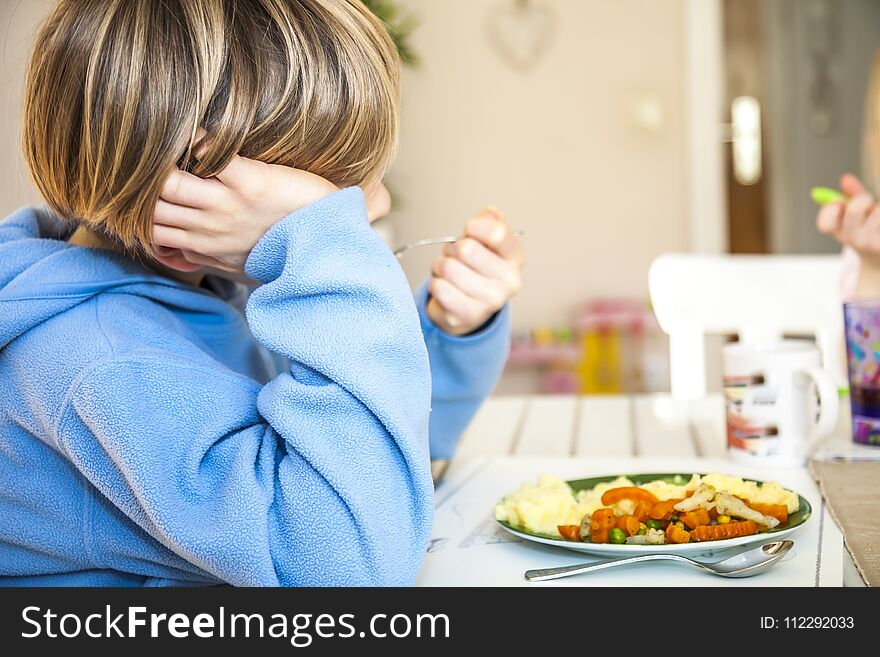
(757, 298)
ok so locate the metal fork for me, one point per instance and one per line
(437, 240)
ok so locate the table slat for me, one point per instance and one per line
(604, 427)
(662, 427)
(548, 428)
(493, 429)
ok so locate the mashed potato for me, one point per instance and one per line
(768, 493)
(541, 506)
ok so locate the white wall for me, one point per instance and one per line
(598, 195)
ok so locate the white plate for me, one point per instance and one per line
(703, 549)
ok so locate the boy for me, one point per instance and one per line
(145, 438)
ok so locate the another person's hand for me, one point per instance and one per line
(856, 222)
(216, 222)
(475, 276)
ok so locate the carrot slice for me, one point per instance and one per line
(601, 522)
(634, 493)
(643, 510)
(730, 530)
(569, 532)
(662, 510)
(695, 518)
(778, 511)
(629, 524)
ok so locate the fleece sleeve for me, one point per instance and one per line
(464, 369)
(320, 477)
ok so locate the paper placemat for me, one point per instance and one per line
(851, 490)
(468, 548)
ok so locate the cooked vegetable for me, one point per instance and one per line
(643, 510)
(634, 493)
(569, 532)
(650, 537)
(662, 510)
(629, 525)
(723, 520)
(617, 536)
(733, 506)
(601, 523)
(778, 511)
(654, 524)
(730, 530)
(675, 533)
(702, 498)
(696, 518)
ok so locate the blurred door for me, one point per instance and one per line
(818, 56)
(745, 91)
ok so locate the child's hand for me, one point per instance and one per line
(855, 223)
(217, 221)
(476, 275)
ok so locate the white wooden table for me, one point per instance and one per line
(618, 430)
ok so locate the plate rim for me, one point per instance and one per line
(722, 544)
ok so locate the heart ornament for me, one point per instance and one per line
(520, 32)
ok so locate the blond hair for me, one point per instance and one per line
(116, 90)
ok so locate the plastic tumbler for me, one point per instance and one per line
(862, 324)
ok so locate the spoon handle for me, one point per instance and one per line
(448, 239)
(542, 574)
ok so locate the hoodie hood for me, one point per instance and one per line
(42, 275)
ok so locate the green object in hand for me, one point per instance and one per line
(825, 195)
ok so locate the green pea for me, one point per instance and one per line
(616, 536)
(654, 524)
(673, 518)
(642, 532)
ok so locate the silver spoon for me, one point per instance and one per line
(745, 564)
(436, 240)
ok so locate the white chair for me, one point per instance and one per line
(757, 298)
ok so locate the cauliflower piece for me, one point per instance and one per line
(651, 537)
(729, 505)
(702, 497)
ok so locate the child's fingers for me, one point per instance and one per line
(485, 262)
(180, 216)
(183, 188)
(460, 309)
(830, 218)
(857, 210)
(851, 185)
(852, 230)
(173, 237)
(871, 233)
(238, 173)
(470, 282)
(489, 228)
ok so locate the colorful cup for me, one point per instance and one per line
(862, 323)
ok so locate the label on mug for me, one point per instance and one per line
(751, 415)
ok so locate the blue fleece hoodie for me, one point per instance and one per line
(145, 438)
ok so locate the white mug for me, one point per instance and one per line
(779, 401)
